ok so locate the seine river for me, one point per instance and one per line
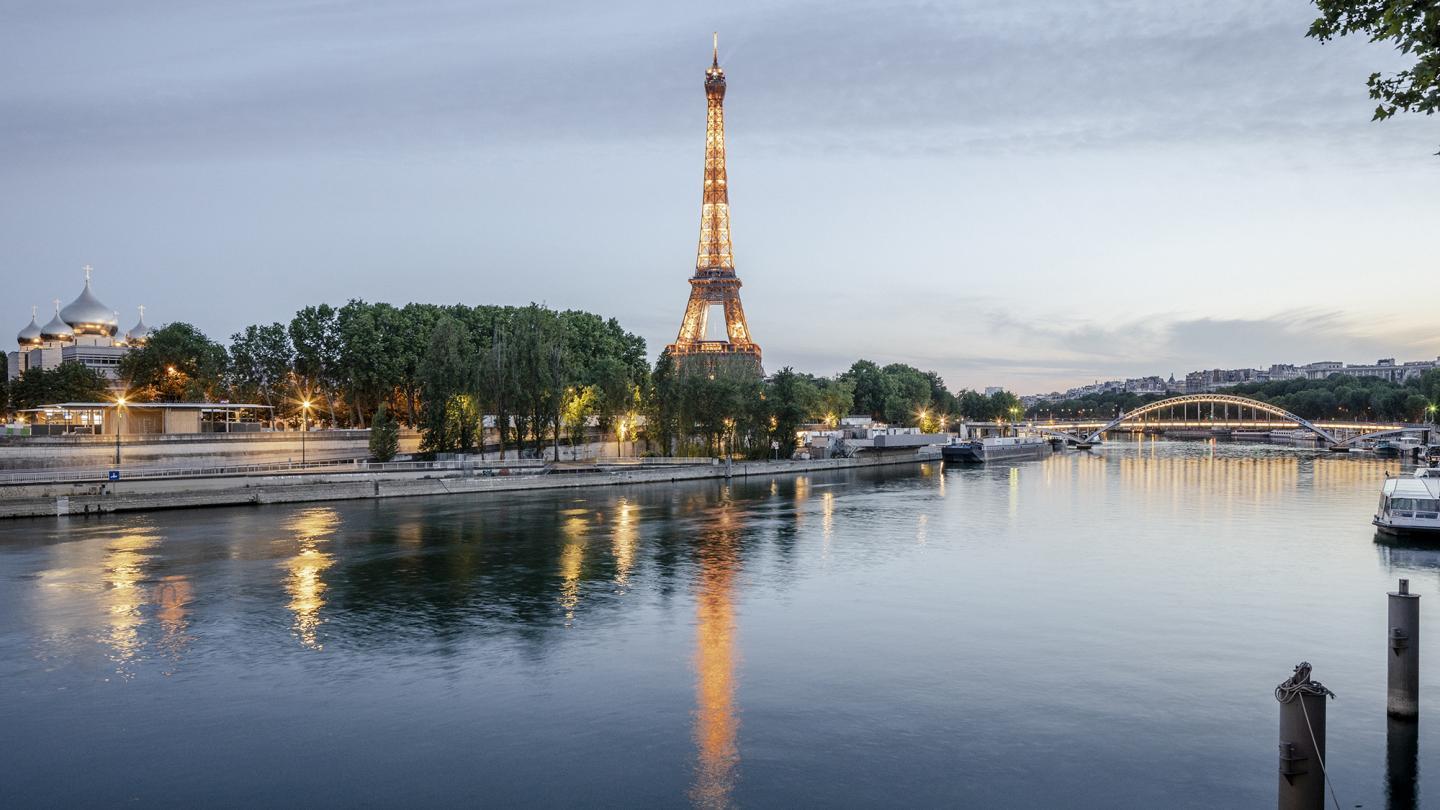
(1098, 630)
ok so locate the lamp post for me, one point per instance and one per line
(119, 417)
(304, 427)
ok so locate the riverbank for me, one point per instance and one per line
(235, 491)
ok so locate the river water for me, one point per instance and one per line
(1099, 629)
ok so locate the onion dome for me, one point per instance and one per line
(30, 335)
(57, 328)
(140, 332)
(87, 315)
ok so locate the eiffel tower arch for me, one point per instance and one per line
(715, 283)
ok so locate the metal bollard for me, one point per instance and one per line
(1402, 699)
(1302, 741)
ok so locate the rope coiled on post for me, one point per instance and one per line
(1300, 684)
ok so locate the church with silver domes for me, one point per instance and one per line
(84, 331)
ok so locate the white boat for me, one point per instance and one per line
(1411, 504)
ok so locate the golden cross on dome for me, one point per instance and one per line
(87, 268)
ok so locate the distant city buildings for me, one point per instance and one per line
(1134, 385)
(85, 331)
(1201, 382)
(1215, 379)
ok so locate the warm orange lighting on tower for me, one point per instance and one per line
(714, 282)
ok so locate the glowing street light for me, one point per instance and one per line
(304, 426)
(119, 416)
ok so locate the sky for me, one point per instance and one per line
(1030, 194)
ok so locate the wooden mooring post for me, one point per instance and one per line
(1302, 741)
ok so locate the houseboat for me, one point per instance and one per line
(1001, 448)
(1410, 505)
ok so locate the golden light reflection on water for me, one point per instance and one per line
(572, 560)
(172, 599)
(622, 541)
(717, 724)
(1239, 475)
(312, 530)
(827, 522)
(125, 596)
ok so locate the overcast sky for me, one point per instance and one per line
(1030, 194)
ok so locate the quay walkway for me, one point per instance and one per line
(355, 481)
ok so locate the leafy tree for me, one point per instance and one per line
(177, 364)
(835, 400)
(384, 435)
(67, 382)
(316, 340)
(792, 399)
(261, 361)
(580, 404)
(872, 388)
(450, 417)
(908, 394)
(1413, 26)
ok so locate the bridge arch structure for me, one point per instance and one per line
(1208, 399)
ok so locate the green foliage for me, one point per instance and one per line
(450, 417)
(1106, 405)
(67, 382)
(261, 360)
(1343, 397)
(177, 364)
(793, 399)
(1413, 26)
(898, 393)
(316, 341)
(1336, 397)
(700, 410)
(384, 435)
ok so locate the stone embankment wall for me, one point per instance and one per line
(231, 491)
(188, 450)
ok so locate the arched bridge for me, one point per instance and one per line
(1226, 401)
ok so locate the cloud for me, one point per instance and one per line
(917, 77)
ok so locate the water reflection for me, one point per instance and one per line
(123, 573)
(173, 597)
(572, 559)
(622, 542)
(1402, 754)
(716, 723)
(312, 530)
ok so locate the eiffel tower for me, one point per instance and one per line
(715, 283)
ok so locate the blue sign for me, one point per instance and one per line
(114, 475)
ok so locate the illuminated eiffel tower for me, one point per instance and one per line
(715, 283)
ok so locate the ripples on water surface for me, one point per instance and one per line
(1094, 630)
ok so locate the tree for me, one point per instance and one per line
(316, 341)
(449, 416)
(580, 404)
(835, 401)
(67, 382)
(261, 360)
(792, 399)
(871, 388)
(908, 394)
(177, 364)
(1414, 28)
(384, 435)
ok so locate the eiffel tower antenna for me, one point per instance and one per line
(714, 282)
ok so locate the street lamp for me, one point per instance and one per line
(304, 427)
(119, 415)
